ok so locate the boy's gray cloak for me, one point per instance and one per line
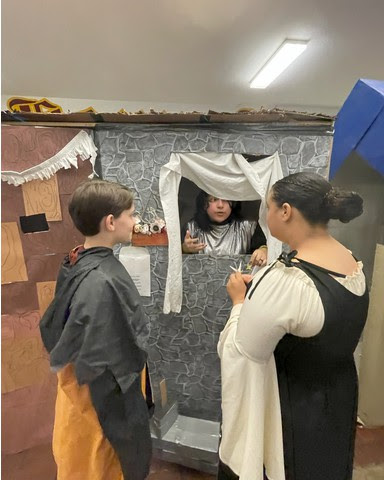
(96, 322)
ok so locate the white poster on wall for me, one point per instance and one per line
(137, 262)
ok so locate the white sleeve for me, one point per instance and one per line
(229, 330)
(285, 301)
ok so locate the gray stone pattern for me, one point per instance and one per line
(182, 347)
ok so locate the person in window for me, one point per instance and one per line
(218, 227)
(289, 382)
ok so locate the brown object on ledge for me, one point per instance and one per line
(90, 119)
(156, 239)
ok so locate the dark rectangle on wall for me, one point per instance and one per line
(34, 223)
(61, 238)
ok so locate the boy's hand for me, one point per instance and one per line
(191, 245)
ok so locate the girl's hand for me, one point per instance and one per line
(236, 287)
(191, 245)
(259, 257)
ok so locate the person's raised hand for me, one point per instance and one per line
(259, 257)
(191, 245)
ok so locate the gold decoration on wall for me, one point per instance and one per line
(42, 196)
(87, 110)
(13, 267)
(32, 105)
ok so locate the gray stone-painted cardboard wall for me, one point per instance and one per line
(182, 346)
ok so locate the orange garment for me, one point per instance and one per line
(81, 450)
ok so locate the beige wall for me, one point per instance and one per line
(371, 395)
(363, 233)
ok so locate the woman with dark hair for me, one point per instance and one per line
(218, 227)
(289, 383)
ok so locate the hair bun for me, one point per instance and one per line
(342, 205)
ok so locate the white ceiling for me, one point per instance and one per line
(196, 52)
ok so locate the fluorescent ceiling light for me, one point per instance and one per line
(288, 51)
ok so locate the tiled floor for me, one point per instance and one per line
(38, 464)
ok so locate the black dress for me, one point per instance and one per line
(318, 385)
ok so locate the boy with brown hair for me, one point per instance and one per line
(95, 331)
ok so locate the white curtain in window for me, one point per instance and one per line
(224, 175)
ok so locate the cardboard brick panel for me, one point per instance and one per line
(45, 294)
(12, 203)
(44, 268)
(7, 327)
(18, 298)
(33, 418)
(69, 179)
(17, 326)
(12, 257)
(42, 196)
(24, 362)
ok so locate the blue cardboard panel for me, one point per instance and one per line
(362, 115)
(377, 85)
(371, 146)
